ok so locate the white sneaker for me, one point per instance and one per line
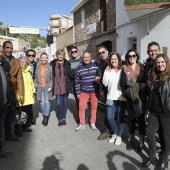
(93, 127)
(80, 127)
(112, 139)
(118, 140)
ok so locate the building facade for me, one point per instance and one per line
(138, 25)
(20, 46)
(94, 22)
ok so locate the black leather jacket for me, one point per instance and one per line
(164, 91)
(1, 85)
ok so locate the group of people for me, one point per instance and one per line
(140, 89)
(143, 91)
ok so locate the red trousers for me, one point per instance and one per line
(84, 97)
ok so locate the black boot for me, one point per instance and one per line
(45, 120)
(141, 143)
(162, 165)
(149, 162)
(17, 131)
(64, 122)
(131, 142)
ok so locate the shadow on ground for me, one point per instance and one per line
(82, 167)
(51, 163)
(134, 165)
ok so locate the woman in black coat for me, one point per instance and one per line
(158, 113)
(61, 69)
(133, 76)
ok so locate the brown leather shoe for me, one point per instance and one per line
(13, 139)
(104, 136)
(5, 154)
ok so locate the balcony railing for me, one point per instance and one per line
(138, 2)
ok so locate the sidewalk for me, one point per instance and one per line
(61, 148)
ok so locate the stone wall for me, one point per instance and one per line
(92, 15)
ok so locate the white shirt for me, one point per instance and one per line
(111, 79)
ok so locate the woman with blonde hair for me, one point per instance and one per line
(28, 101)
(158, 112)
(61, 69)
(43, 83)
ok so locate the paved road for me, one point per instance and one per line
(61, 148)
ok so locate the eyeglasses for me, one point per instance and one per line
(73, 52)
(134, 56)
(103, 52)
(31, 55)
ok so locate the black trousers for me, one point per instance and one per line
(28, 109)
(3, 110)
(154, 122)
(8, 121)
(107, 127)
(140, 121)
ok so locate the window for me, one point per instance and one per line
(103, 16)
(132, 43)
(82, 19)
(64, 22)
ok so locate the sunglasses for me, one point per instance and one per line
(134, 56)
(103, 52)
(31, 55)
(73, 52)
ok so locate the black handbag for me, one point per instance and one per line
(20, 117)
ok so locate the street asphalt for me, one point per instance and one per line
(62, 148)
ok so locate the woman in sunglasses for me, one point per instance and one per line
(158, 113)
(132, 83)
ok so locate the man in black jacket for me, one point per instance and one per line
(103, 54)
(153, 50)
(3, 103)
(31, 54)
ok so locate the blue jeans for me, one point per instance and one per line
(62, 105)
(45, 103)
(119, 107)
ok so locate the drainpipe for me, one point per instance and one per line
(147, 25)
(73, 31)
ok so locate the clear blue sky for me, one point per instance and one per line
(34, 13)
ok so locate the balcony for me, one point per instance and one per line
(139, 8)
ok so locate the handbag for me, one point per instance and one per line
(109, 102)
(20, 117)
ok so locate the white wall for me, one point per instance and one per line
(121, 15)
(51, 50)
(156, 28)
